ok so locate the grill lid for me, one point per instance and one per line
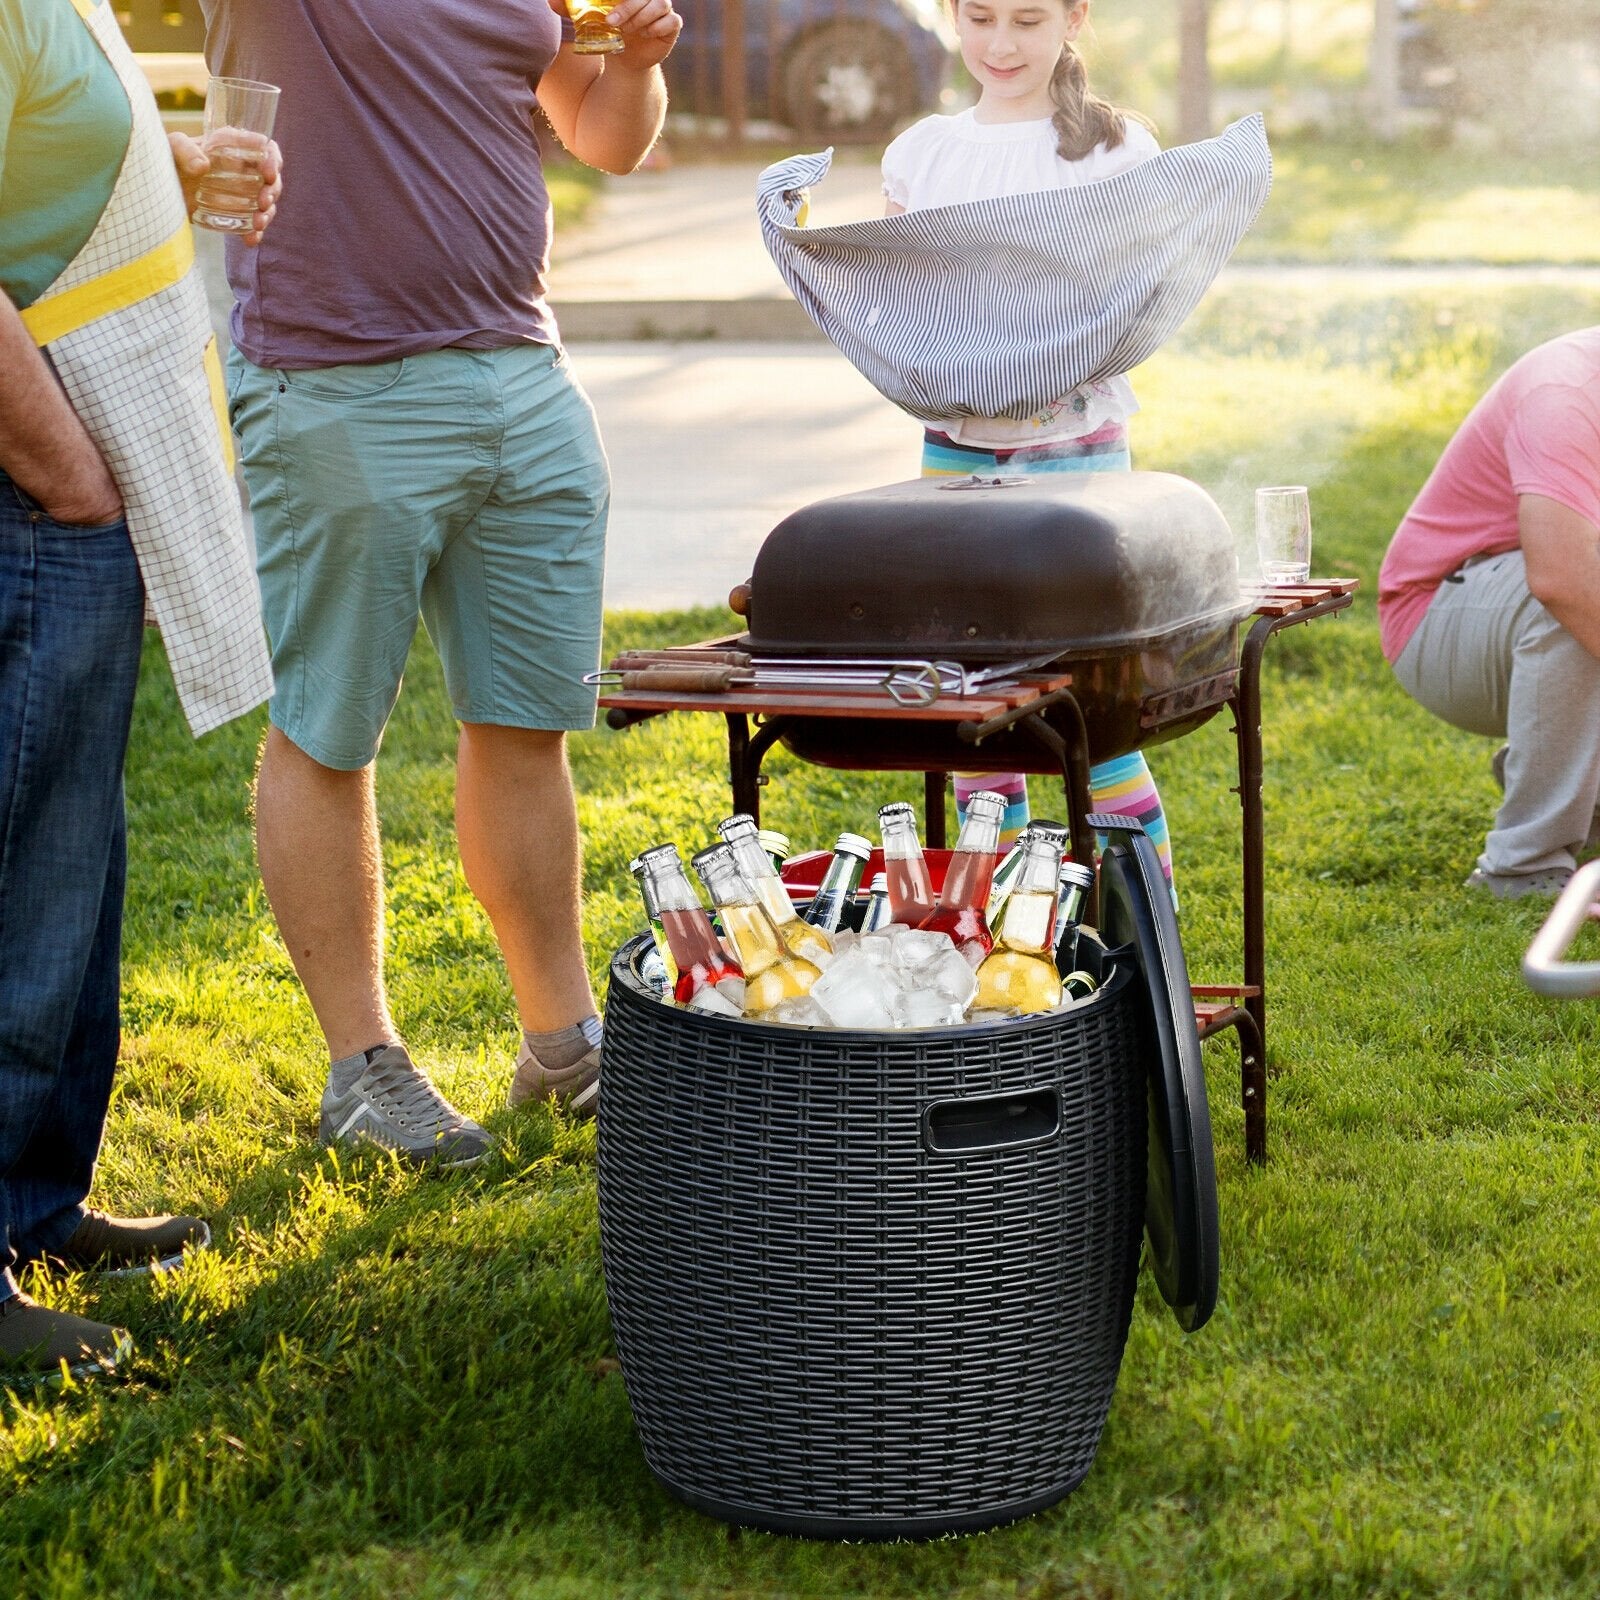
(996, 568)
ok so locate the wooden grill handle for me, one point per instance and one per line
(686, 680)
(739, 599)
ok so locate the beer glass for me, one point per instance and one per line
(238, 127)
(1283, 534)
(595, 36)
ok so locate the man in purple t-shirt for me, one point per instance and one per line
(415, 447)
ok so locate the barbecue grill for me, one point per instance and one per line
(1127, 579)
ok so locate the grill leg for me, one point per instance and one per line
(1247, 729)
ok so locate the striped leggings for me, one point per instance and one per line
(1124, 785)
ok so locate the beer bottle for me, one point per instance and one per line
(741, 836)
(877, 904)
(773, 973)
(838, 885)
(959, 911)
(656, 966)
(1075, 883)
(702, 963)
(777, 847)
(1019, 974)
(910, 887)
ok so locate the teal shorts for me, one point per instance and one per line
(467, 488)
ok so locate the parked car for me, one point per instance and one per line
(835, 71)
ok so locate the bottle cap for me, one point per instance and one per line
(740, 825)
(658, 855)
(1076, 872)
(880, 883)
(897, 808)
(773, 842)
(852, 844)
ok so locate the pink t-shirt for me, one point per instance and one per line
(1537, 431)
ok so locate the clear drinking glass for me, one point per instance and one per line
(1283, 534)
(239, 119)
(595, 36)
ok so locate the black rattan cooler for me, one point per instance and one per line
(872, 1285)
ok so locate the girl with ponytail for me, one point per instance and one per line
(1036, 126)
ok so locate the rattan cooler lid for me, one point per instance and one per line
(1180, 1216)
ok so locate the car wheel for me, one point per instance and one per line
(848, 83)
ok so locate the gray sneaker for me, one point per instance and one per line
(1519, 885)
(393, 1103)
(576, 1087)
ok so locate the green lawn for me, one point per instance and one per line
(390, 1385)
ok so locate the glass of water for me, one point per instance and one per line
(239, 119)
(1283, 533)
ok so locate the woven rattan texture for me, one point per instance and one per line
(818, 1317)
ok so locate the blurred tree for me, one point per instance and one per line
(1194, 69)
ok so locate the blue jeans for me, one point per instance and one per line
(71, 627)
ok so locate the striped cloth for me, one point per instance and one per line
(1104, 450)
(997, 308)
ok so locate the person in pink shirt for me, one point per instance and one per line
(1489, 606)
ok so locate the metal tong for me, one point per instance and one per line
(713, 671)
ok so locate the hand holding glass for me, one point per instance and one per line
(1283, 534)
(239, 118)
(595, 36)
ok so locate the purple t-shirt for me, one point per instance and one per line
(415, 214)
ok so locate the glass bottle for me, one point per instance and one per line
(1019, 974)
(1004, 875)
(773, 973)
(740, 834)
(1072, 896)
(656, 966)
(701, 961)
(910, 887)
(959, 910)
(838, 885)
(877, 904)
(777, 847)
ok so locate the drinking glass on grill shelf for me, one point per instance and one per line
(1019, 974)
(1283, 534)
(838, 885)
(743, 838)
(594, 35)
(773, 973)
(959, 911)
(708, 978)
(910, 887)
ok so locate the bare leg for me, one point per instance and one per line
(517, 827)
(317, 840)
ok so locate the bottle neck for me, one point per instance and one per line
(667, 888)
(900, 841)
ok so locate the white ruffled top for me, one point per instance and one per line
(943, 161)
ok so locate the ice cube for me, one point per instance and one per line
(926, 1008)
(916, 947)
(853, 993)
(714, 1003)
(951, 976)
(879, 944)
(732, 989)
(844, 939)
(802, 1012)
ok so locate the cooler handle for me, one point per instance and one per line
(991, 1122)
(1543, 968)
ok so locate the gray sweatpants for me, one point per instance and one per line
(1488, 657)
